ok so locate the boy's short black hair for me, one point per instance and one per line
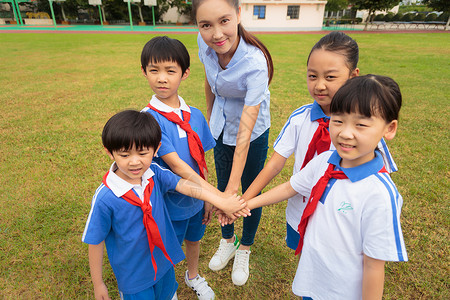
(163, 48)
(131, 127)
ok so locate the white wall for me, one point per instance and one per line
(310, 15)
(172, 16)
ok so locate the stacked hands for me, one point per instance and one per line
(233, 207)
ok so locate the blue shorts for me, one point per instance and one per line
(292, 237)
(190, 229)
(164, 289)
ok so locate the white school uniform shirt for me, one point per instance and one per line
(295, 137)
(244, 81)
(355, 216)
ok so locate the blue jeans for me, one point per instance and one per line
(223, 158)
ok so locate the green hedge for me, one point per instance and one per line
(419, 17)
(407, 17)
(431, 17)
(379, 17)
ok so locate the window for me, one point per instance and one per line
(292, 11)
(259, 12)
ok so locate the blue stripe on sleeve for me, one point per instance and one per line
(393, 168)
(394, 213)
(296, 112)
(94, 200)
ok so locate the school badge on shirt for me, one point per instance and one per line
(345, 207)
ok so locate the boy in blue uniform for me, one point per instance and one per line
(185, 137)
(129, 216)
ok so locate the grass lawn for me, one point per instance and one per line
(58, 90)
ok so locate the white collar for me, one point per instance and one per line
(119, 186)
(159, 105)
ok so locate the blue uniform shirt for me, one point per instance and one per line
(244, 81)
(120, 224)
(174, 139)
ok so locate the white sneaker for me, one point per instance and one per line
(223, 255)
(240, 267)
(200, 287)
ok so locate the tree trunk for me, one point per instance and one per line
(62, 12)
(368, 19)
(448, 23)
(11, 9)
(103, 12)
(367, 22)
(140, 13)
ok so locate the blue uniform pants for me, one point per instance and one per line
(164, 289)
(223, 158)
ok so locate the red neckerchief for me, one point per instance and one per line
(320, 141)
(316, 194)
(194, 142)
(153, 235)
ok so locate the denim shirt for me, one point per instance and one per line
(244, 81)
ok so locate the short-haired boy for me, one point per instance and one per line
(185, 138)
(129, 216)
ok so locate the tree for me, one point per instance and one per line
(440, 5)
(139, 5)
(70, 8)
(372, 6)
(336, 5)
(112, 9)
(183, 8)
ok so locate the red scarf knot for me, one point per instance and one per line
(320, 141)
(146, 209)
(194, 142)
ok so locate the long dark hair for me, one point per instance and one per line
(341, 43)
(246, 36)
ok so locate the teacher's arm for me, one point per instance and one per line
(248, 121)
(209, 99)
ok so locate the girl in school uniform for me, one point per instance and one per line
(238, 69)
(332, 61)
(351, 224)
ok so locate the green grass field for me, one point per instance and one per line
(58, 90)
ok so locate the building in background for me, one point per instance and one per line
(272, 15)
(282, 15)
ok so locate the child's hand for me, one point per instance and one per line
(234, 204)
(101, 292)
(223, 219)
(208, 213)
(245, 212)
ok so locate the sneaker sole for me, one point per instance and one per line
(239, 284)
(224, 264)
